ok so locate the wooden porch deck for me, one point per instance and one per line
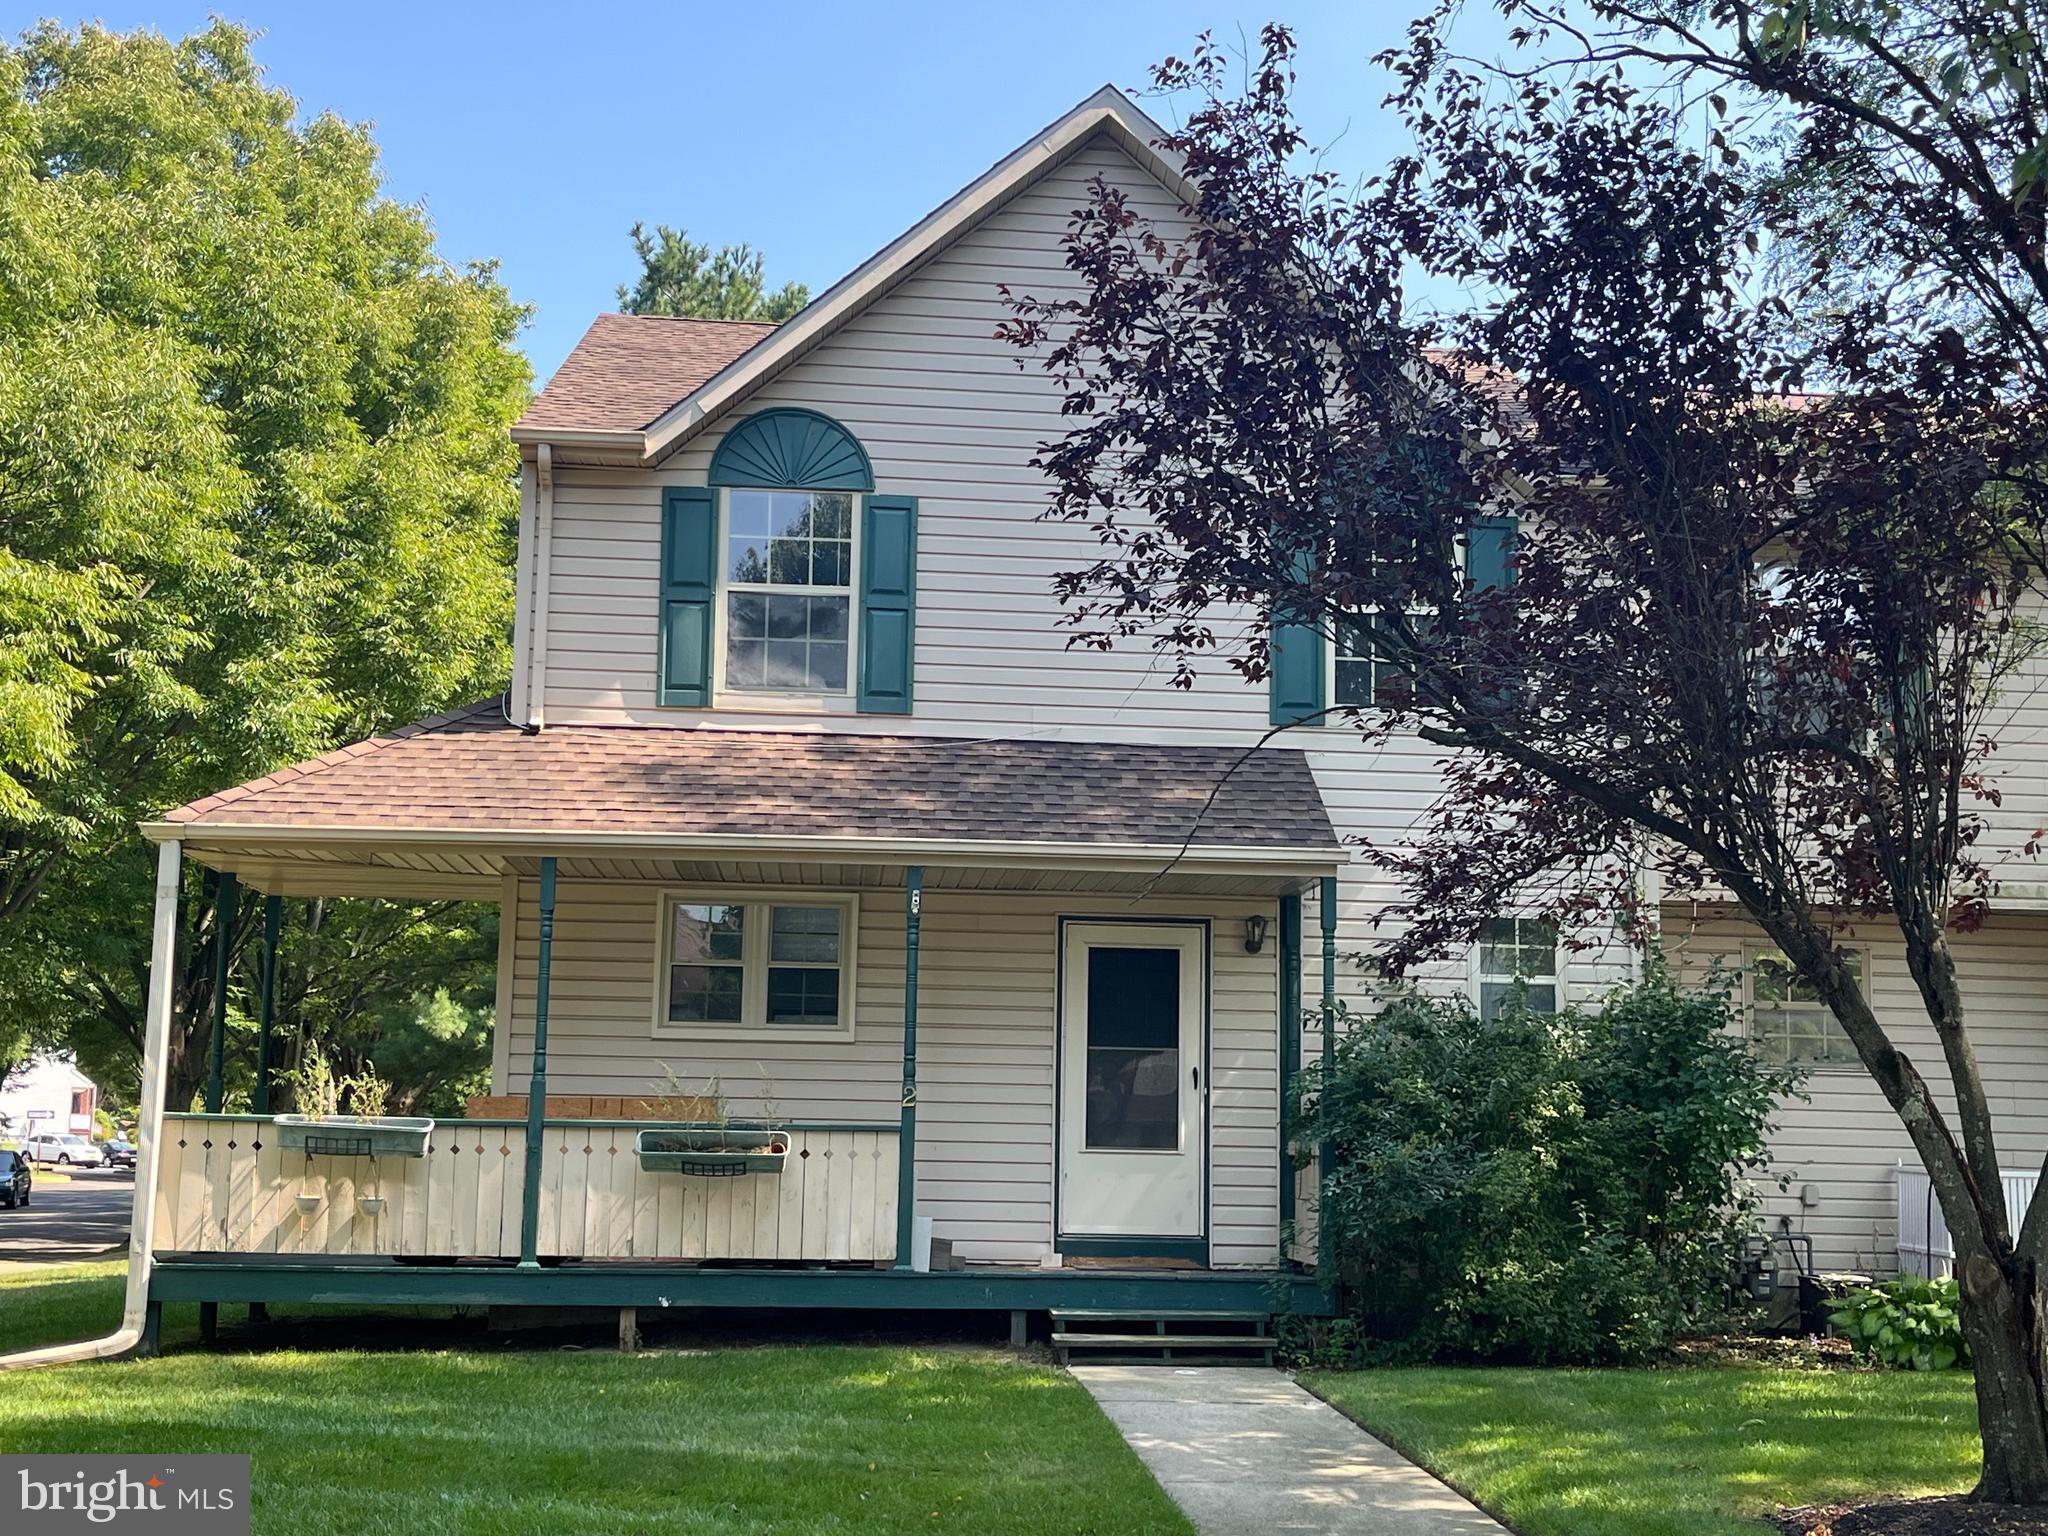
(655, 1286)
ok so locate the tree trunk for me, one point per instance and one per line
(184, 1073)
(2003, 1320)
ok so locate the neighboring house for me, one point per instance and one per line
(800, 801)
(47, 1094)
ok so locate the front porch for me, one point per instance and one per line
(240, 1220)
(967, 1065)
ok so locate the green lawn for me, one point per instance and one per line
(500, 1439)
(1688, 1451)
(55, 1303)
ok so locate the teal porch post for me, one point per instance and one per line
(266, 1003)
(226, 894)
(906, 1141)
(537, 1087)
(225, 902)
(1290, 1043)
(266, 1015)
(1327, 912)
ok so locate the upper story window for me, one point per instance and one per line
(1357, 676)
(1319, 670)
(1512, 952)
(787, 585)
(789, 568)
(1353, 665)
(1788, 1020)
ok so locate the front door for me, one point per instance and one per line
(1132, 1118)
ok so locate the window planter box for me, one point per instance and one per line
(355, 1135)
(713, 1152)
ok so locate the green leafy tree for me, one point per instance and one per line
(256, 492)
(409, 987)
(680, 277)
(408, 990)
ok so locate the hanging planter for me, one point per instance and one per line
(712, 1152)
(355, 1135)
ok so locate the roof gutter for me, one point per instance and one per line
(951, 852)
(631, 443)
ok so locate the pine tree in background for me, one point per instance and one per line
(680, 277)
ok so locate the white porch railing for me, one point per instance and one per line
(1925, 1248)
(226, 1186)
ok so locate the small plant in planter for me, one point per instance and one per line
(320, 1128)
(713, 1151)
(722, 1149)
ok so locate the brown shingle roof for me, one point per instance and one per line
(628, 369)
(469, 771)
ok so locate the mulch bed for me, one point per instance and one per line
(1952, 1516)
(1797, 1351)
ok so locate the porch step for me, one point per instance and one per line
(1159, 1336)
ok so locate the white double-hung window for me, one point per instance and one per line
(1359, 678)
(774, 963)
(788, 614)
(1788, 1020)
(1516, 952)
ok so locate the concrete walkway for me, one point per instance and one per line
(1246, 1452)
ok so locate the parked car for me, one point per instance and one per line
(65, 1151)
(15, 1179)
(119, 1153)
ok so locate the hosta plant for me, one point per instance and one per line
(1906, 1323)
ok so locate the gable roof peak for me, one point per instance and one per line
(560, 415)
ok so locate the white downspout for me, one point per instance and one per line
(520, 693)
(156, 1040)
(543, 556)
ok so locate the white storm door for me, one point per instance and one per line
(1133, 1123)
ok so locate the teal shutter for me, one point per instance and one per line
(1489, 546)
(888, 605)
(689, 586)
(1299, 691)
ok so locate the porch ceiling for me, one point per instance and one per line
(450, 806)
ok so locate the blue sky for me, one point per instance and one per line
(816, 132)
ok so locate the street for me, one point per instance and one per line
(65, 1222)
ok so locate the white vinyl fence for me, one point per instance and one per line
(1924, 1246)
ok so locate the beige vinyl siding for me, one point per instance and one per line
(1846, 1141)
(2017, 719)
(987, 998)
(947, 414)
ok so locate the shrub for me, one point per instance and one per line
(1535, 1187)
(1906, 1323)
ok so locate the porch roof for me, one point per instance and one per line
(469, 780)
